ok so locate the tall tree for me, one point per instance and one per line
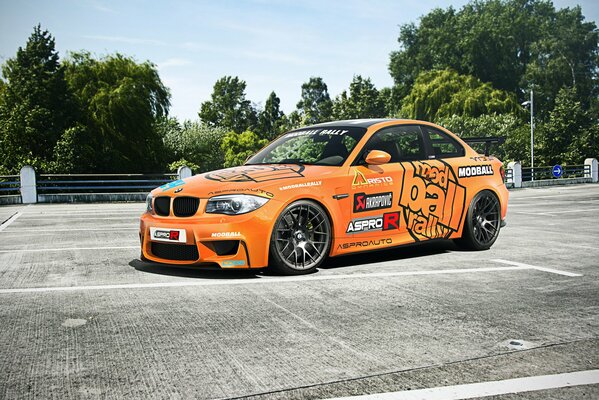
(363, 101)
(512, 44)
(443, 93)
(315, 105)
(35, 105)
(121, 101)
(271, 118)
(238, 147)
(228, 107)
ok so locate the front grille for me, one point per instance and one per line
(223, 247)
(185, 206)
(177, 252)
(162, 205)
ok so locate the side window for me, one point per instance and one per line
(403, 143)
(443, 145)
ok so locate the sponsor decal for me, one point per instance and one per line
(432, 199)
(225, 234)
(171, 185)
(383, 222)
(376, 201)
(303, 133)
(258, 192)
(482, 158)
(301, 185)
(168, 235)
(309, 132)
(360, 180)
(364, 244)
(475, 170)
(257, 173)
(232, 263)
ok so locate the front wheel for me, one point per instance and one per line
(301, 238)
(482, 224)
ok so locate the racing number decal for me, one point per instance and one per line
(433, 201)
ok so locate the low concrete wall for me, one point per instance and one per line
(556, 182)
(91, 197)
(11, 199)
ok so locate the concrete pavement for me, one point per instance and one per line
(102, 324)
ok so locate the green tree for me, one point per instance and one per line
(315, 105)
(120, 101)
(271, 121)
(510, 43)
(228, 107)
(364, 101)
(195, 144)
(517, 133)
(391, 98)
(442, 93)
(570, 135)
(238, 147)
(35, 105)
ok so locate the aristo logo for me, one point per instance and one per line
(361, 180)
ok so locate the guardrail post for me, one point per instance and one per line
(184, 172)
(516, 168)
(594, 170)
(28, 185)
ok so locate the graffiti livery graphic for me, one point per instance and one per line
(432, 199)
(257, 173)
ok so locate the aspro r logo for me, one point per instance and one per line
(385, 222)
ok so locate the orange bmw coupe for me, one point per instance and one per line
(327, 190)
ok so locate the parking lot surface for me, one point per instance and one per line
(82, 317)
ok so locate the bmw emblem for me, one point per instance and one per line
(178, 190)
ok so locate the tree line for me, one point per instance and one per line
(468, 70)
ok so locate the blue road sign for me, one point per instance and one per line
(557, 171)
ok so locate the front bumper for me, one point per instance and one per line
(238, 241)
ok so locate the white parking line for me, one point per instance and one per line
(10, 220)
(79, 218)
(31, 231)
(259, 280)
(68, 249)
(492, 388)
(544, 269)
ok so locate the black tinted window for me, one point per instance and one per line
(403, 143)
(443, 146)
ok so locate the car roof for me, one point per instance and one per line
(362, 123)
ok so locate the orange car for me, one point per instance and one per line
(327, 190)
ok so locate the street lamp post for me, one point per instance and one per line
(531, 103)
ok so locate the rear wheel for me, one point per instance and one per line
(301, 238)
(482, 224)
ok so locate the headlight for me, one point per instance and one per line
(149, 207)
(234, 204)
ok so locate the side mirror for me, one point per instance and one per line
(377, 157)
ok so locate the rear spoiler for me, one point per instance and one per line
(488, 141)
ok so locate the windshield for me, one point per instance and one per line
(320, 146)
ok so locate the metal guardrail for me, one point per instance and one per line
(544, 173)
(101, 183)
(10, 185)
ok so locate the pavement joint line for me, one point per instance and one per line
(260, 280)
(489, 388)
(544, 269)
(68, 249)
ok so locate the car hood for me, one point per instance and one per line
(263, 180)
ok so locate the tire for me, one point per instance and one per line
(301, 239)
(483, 222)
